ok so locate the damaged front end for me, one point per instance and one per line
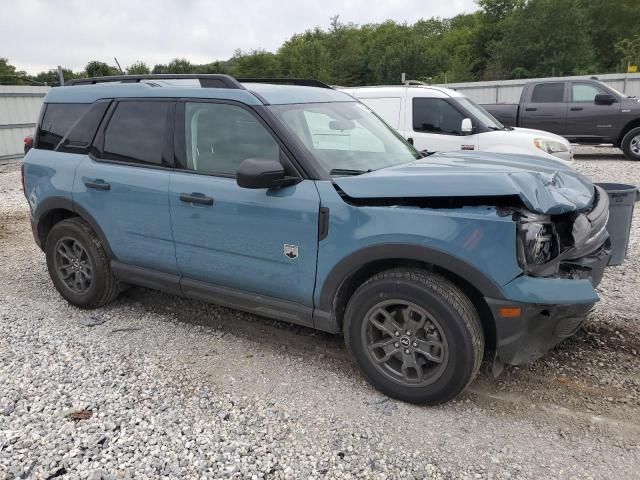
(571, 245)
(551, 250)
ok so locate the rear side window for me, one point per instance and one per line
(58, 118)
(548, 93)
(136, 132)
(435, 115)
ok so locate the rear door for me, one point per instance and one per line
(259, 241)
(545, 107)
(587, 121)
(124, 182)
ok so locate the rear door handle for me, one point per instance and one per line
(196, 198)
(530, 109)
(576, 109)
(97, 184)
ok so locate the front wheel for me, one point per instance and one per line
(415, 335)
(631, 144)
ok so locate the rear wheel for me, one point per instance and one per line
(631, 144)
(415, 335)
(78, 265)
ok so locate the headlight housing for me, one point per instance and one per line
(538, 242)
(550, 146)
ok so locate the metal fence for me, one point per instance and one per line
(508, 91)
(19, 108)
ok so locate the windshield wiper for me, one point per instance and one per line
(347, 171)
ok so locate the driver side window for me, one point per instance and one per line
(585, 92)
(435, 115)
(219, 137)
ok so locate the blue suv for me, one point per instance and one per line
(291, 200)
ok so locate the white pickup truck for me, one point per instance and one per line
(441, 119)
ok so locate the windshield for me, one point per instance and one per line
(346, 138)
(480, 113)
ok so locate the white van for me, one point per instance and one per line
(442, 120)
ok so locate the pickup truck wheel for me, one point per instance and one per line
(415, 335)
(631, 144)
(78, 265)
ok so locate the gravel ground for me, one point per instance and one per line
(155, 385)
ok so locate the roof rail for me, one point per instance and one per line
(304, 82)
(416, 82)
(212, 80)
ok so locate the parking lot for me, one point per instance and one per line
(157, 385)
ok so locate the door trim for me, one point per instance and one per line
(228, 297)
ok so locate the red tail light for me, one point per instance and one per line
(28, 140)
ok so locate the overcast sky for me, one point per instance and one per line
(37, 35)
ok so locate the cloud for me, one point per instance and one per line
(37, 35)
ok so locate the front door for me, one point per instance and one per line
(435, 125)
(258, 241)
(588, 121)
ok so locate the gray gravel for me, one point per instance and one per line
(156, 385)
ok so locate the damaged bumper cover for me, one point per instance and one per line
(554, 300)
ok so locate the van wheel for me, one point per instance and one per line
(78, 265)
(631, 144)
(415, 335)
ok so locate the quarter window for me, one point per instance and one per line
(548, 93)
(585, 92)
(57, 120)
(136, 132)
(435, 115)
(220, 136)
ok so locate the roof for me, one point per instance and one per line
(391, 90)
(264, 93)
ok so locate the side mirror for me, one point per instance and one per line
(604, 99)
(262, 173)
(467, 126)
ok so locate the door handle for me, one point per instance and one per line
(530, 109)
(576, 109)
(97, 184)
(196, 198)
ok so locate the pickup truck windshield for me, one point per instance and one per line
(480, 113)
(345, 138)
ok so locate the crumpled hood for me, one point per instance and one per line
(545, 186)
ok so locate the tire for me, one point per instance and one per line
(631, 144)
(451, 335)
(71, 240)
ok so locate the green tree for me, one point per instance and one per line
(256, 63)
(96, 68)
(9, 74)
(138, 68)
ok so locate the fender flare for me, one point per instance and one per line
(399, 251)
(65, 203)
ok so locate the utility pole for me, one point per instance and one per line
(60, 76)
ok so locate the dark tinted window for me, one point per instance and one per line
(548, 93)
(79, 138)
(136, 132)
(435, 115)
(57, 120)
(220, 136)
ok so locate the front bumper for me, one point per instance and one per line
(552, 309)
